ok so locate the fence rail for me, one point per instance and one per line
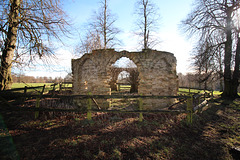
(94, 96)
(21, 89)
(190, 109)
(62, 86)
(192, 88)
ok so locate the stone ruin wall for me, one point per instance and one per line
(157, 73)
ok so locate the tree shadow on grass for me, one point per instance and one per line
(105, 138)
(125, 139)
(49, 139)
(122, 136)
(199, 140)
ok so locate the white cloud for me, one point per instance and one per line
(174, 43)
(59, 65)
(46, 73)
(64, 57)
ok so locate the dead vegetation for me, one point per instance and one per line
(214, 134)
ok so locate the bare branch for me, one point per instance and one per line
(28, 27)
(215, 23)
(147, 22)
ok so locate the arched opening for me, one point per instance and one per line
(124, 76)
(123, 82)
(124, 62)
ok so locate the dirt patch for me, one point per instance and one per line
(214, 134)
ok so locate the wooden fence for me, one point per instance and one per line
(24, 89)
(55, 87)
(63, 86)
(192, 101)
(199, 89)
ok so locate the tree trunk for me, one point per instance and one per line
(145, 24)
(231, 84)
(105, 24)
(227, 92)
(9, 46)
(221, 75)
(236, 71)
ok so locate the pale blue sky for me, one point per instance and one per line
(171, 12)
(172, 39)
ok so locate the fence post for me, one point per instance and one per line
(38, 102)
(60, 87)
(24, 94)
(140, 108)
(119, 87)
(198, 99)
(89, 107)
(25, 90)
(37, 105)
(189, 109)
(204, 94)
(42, 90)
(53, 90)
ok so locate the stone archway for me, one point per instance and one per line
(132, 80)
(157, 72)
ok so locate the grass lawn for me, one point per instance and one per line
(22, 85)
(122, 87)
(48, 86)
(196, 91)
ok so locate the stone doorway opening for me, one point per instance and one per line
(124, 76)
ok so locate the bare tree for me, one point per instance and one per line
(103, 24)
(90, 41)
(206, 62)
(216, 18)
(100, 31)
(147, 22)
(28, 27)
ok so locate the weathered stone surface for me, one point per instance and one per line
(157, 72)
